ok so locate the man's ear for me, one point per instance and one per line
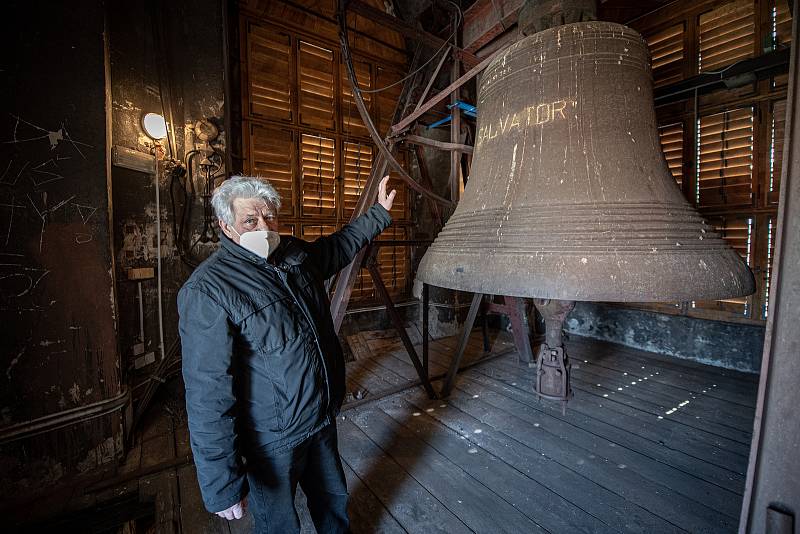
(226, 229)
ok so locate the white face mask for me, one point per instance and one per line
(261, 242)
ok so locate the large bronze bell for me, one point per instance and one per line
(569, 196)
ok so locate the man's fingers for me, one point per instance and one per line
(382, 186)
(391, 195)
(237, 511)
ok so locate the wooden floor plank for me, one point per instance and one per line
(613, 512)
(474, 504)
(411, 504)
(367, 514)
(699, 404)
(597, 422)
(664, 431)
(570, 429)
(702, 420)
(510, 418)
(535, 500)
(194, 517)
(618, 356)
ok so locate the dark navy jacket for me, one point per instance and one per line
(261, 361)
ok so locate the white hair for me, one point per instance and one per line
(242, 187)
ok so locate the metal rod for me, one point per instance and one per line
(444, 93)
(372, 266)
(425, 299)
(141, 312)
(419, 140)
(55, 421)
(424, 95)
(462, 345)
(365, 117)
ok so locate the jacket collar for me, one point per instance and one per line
(287, 254)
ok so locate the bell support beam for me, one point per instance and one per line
(552, 364)
(444, 93)
(422, 372)
(441, 145)
(486, 19)
(396, 24)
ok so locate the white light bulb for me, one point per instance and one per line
(154, 126)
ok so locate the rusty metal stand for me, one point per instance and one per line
(514, 309)
(553, 366)
(421, 367)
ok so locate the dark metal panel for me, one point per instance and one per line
(774, 473)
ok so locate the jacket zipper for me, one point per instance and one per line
(283, 277)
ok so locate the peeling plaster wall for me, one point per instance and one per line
(729, 345)
(57, 305)
(191, 60)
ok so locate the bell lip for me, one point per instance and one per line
(725, 276)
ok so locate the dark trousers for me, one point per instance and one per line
(316, 466)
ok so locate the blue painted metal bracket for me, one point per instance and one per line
(468, 109)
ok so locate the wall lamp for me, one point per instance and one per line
(154, 126)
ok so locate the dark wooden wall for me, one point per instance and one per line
(57, 302)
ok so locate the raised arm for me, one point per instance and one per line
(207, 348)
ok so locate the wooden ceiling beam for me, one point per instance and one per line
(486, 19)
(398, 25)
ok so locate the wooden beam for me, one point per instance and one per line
(455, 134)
(444, 93)
(441, 145)
(400, 26)
(487, 19)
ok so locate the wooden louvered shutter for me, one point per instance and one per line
(738, 233)
(316, 85)
(782, 23)
(318, 169)
(671, 137)
(771, 230)
(777, 134)
(727, 35)
(351, 119)
(269, 73)
(393, 262)
(666, 54)
(272, 157)
(357, 161)
(312, 232)
(387, 100)
(399, 209)
(725, 162)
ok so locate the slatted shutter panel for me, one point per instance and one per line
(738, 232)
(725, 162)
(777, 135)
(393, 262)
(269, 73)
(312, 232)
(387, 100)
(782, 23)
(272, 153)
(671, 137)
(316, 85)
(727, 35)
(286, 229)
(771, 230)
(351, 119)
(399, 209)
(357, 161)
(318, 170)
(666, 55)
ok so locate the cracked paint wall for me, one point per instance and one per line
(730, 345)
(57, 306)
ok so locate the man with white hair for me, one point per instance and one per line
(262, 365)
